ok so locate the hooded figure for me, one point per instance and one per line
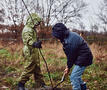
(31, 54)
(77, 51)
(60, 31)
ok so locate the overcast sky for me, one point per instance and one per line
(90, 17)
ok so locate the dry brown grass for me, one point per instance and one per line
(54, 49)
(53, 53)
(99, 52)
(12, 48)
(54, 56)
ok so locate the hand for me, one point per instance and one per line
(37, 44)
(66, 71)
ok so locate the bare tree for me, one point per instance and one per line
(14, 14)
(102, 15)
(52, 11)
(94, 27)
(81, 25)
(1, 15)
(70, 11)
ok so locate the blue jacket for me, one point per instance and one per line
(76, 50)
(75, 47)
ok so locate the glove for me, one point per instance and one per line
(37, 44)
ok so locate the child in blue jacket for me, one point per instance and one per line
(77, 52)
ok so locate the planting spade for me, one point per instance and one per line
(63, 78)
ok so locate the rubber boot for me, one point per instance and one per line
(21, 86)
(83, 86)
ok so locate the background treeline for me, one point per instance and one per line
(70, 12)
(13, 33)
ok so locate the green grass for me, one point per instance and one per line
(95, 75)
(5, 53)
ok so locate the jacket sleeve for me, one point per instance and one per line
(70, 51)
(28, 38)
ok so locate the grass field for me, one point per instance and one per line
(12, 64)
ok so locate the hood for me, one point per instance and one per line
(60, 31)
(36, 20)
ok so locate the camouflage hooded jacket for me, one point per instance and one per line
(29, 34)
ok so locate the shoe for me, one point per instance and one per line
(21, 86)
(83, 86)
